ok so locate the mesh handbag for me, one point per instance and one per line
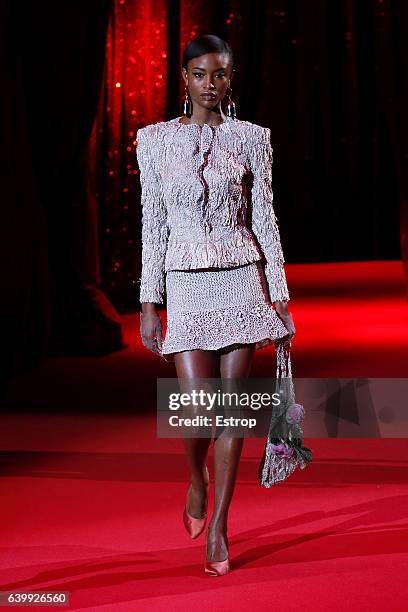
(284, 450)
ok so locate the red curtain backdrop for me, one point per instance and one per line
(133, 94)
(51, 61)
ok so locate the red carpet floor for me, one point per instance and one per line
(91, 500)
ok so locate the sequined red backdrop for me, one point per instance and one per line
(133, 92)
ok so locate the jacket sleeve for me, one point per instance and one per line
(154, 224)
(264, 222)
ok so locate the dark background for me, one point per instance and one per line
(327, 76)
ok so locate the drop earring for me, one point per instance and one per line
(230, 108)
(187, 105)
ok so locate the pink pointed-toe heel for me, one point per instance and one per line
(195, 526)
(216, 568)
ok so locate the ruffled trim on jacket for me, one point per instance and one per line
(227, 253)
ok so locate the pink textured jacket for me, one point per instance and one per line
(207, 202)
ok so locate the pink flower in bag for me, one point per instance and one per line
(295, 414)
(282, 450)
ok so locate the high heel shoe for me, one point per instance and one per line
(215, 568)
(195, 526)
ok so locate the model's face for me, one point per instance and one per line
(208, 78)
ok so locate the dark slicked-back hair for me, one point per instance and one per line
(207, 43)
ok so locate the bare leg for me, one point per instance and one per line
(196, 364)
(227, 453)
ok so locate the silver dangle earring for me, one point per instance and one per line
(230, 108)
(187, 105)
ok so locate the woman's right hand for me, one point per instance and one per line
(151, 331)
(287, 320)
